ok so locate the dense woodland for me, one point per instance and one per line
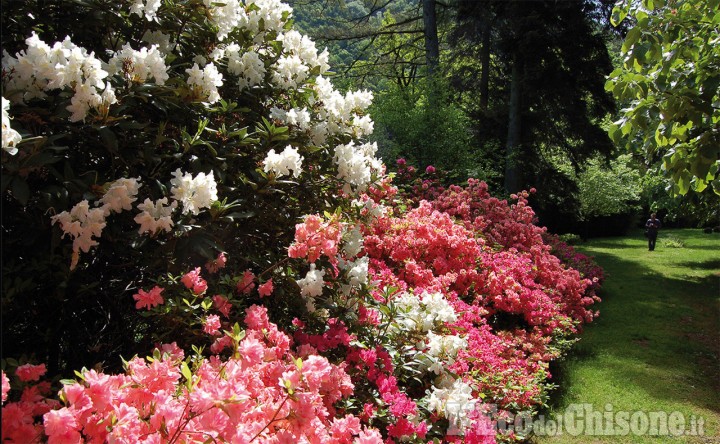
(512, 92)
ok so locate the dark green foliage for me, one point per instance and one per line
(670, 83)
(562, 59)
(48, 308)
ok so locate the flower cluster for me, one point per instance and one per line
(510, 298)
(139, 66)
(85, 224)
(195, 193)
(423, 313)
(356, 164)
(41, 68)
(282, 163)
(315, 237)
(572, 259)
(10, 137)
(264, 391)
(155, 216)
(82, 223)
(204, 82)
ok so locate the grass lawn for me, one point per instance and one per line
(656, 345)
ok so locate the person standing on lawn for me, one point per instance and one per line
(651, 230)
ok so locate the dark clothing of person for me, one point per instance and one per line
(651, 229)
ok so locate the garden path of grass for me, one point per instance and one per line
(656, 345)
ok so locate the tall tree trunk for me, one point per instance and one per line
(485, 67)
(432, 56)
(513, 181)
(432, 45)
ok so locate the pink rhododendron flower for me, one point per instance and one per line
(148, 299)
(221, 344)
(18, 423)
(368, 436)
(5, 386)
(256, 317)
(194, 282)
(216, 265)
(232, 400)
(29, 372)
(212, 325)
(266, 289)
(61, 426)
(172, 351)
(246, 283)
(430, 169)
(315, 237)
(222, 304)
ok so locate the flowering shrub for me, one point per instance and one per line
(193, 168)
(572, 259)
(182, 133)
(262, 391)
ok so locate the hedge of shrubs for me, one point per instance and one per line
(192, 210)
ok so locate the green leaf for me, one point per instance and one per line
(20, 190)
(683, 183)
(185, 371)
(632, 37)
(109, 139)
(40, 159)
(618, 15)
(5, 180)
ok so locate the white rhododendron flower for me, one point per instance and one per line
(369, 207)
(363, 125)
(139, 66)
(227, 16)
(424, 312)
(454, 402)
(439, 306)
(356, 164)
(10, 137)
(155, 216)
(289, 72)
(82, 223)
(312, 284)
(296, 116)
(148, 8)
(194, 193)
(353, 242)
(43, 68)
(282, 163)
(358, 271)
(270, 13)
(157, 38)
(248, 66)
(204, 82)
(442, 351)
(304, 47)
(120, 195)
(319, 133)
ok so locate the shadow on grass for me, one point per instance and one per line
(660, 334)
(712, 264)
(696, 247)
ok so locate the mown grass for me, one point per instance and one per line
(656, 345)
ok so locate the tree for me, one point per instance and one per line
(547, 81)
(670, 80)
(608, 190)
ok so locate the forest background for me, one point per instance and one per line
(528, 94)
